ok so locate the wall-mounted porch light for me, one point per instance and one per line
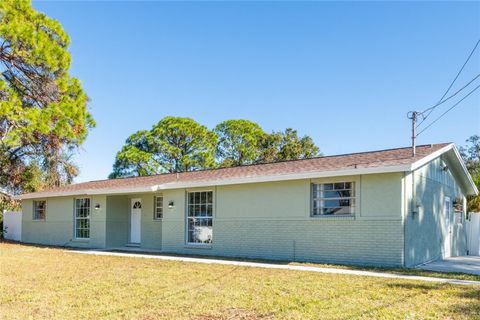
(170, 204)
(97, 206)
(457, 204)
(444, 166)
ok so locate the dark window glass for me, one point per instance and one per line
(199, 217)
(82, 218)
(158, 207)
(333, 199)
(39, 209)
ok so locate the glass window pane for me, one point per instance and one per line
(339, 185)
(199, 223)
(344, 202)
(328, 186)
(331, 203)
(82, 218)
(196, 210)
(209, 197)
(333, 198)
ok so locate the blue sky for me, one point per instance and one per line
(344, 73)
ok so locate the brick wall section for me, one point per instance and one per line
(348, 241)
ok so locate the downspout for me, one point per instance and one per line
(414, 196)
(408, 210)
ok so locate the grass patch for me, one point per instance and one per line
(50, 283)
(399, 271)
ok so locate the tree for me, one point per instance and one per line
(471, 155)
(174, 144)
(239, 142)
(43, 110)
(136, 157)
(181, 144)
(287, 145)
(293, 147)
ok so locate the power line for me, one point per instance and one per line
(461, 69)
(456, 104)
(445, 100)
(424, 117)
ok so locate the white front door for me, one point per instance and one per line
(447, 244)
(136, 208)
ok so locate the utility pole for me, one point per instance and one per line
(413, 115)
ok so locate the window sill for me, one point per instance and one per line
(39, 220)
(81, 240)
(346, 216)
(197, 246)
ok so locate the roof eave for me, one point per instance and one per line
(473, 188)
(468, 181)
(210, 183)
(86, 192)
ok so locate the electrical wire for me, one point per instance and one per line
(445, 100)
(461, 69)
(448, 110)
(431, 109)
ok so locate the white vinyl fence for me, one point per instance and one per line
(12, 225)
(473, 234)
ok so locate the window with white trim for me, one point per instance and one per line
(333, 199)
(39, 209)
(158, 207)
(82, 218)
(199, 217)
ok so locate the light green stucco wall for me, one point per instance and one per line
(263, 220)
(424, 228)
(272, 220)
(151, 229)
(57, 228)
(118, 221)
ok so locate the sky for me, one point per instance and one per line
(344, 73)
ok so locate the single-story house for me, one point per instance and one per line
(384, 208)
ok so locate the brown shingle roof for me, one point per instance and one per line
(372, 159)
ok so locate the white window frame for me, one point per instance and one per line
(187, 217)
(34, 215)
(156, 207)
(353, 199)
(75, 218)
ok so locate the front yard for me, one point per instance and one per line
(47, 283)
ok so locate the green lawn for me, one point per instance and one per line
(48, 283)
(399, 271)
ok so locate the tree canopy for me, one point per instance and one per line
(174, 144)
(43, 110)
(177, 144)
(287, 145)
(471, 155)
(239, 142)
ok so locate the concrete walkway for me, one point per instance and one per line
(465, 264)
(276, 266)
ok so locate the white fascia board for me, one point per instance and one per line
(473, 188)
(465, 171)
(208, 183)
(296, 176)
(431, 156)
(86, 192)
